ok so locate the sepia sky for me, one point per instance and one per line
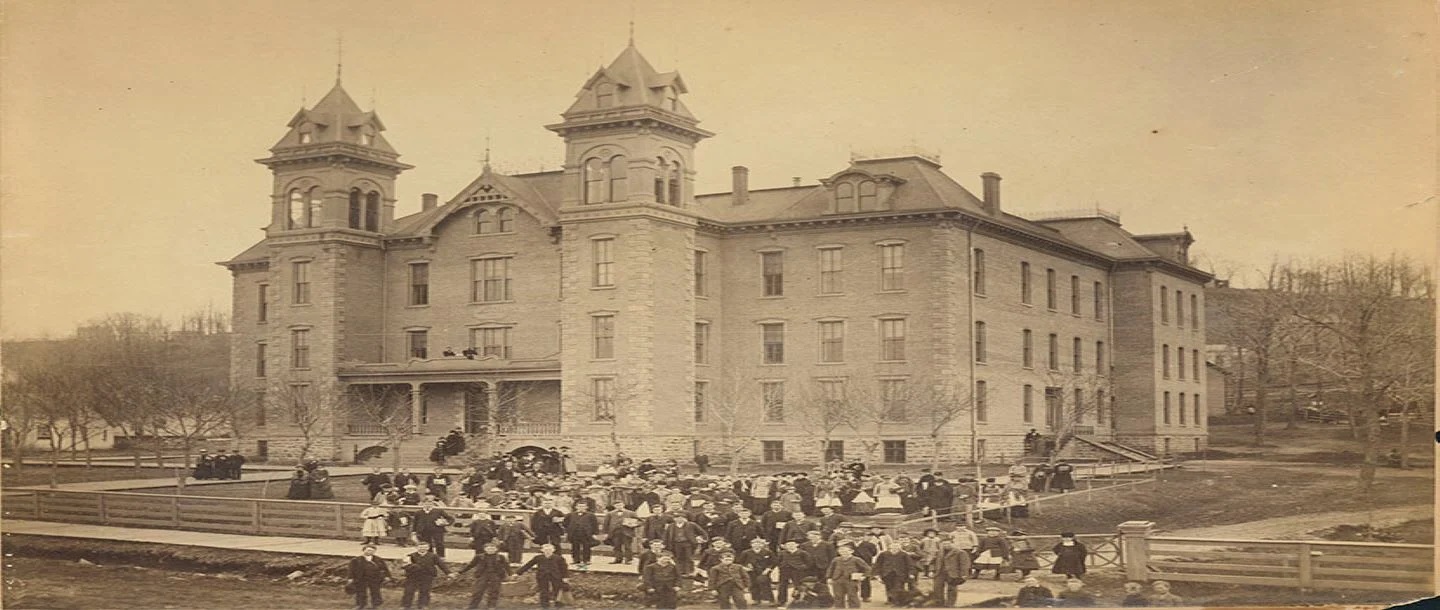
(1269, 128)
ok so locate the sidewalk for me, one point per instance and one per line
(250, 475)
(971, 593)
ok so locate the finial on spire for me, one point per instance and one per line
(487, 151)
(339, 55)
(632, 23)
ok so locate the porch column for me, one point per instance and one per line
(416, 397)
(492, 402)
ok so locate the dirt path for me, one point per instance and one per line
(1298, 526)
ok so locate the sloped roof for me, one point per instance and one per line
(258, 252)
(536, 194)
(1102, 236)
(638, 85)
(336, 115)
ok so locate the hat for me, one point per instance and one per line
(993, 529)
(1067, 534)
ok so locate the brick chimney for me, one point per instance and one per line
(795, 181)
(739, 185)
(991, 181)
(428, 201)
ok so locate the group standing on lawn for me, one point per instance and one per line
(702, 531)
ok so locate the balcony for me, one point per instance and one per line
(528, 429)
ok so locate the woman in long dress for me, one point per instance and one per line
(887, 497)
(373, 525)
(1069, 556)
(299, 484)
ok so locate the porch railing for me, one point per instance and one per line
(529, 428)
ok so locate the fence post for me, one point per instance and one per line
(36, 495)
(104, 510)
(1135, 549)
(175, 511)
(255, 516)
(1305, 565)
(339, 520)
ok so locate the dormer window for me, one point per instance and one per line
(483, 222)
(605, 95)
(845, 197)
(494, 220)
(504, 220)
(672, 102)
(307, 133)
(867, 196)
(305, 137)
(367, 136)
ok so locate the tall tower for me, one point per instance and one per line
(331, 202)
(628, 298)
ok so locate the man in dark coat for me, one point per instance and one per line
(551, 574)
(682, 537)
(894, 566)
(806, 488)
(942, 497)
(204, 466)
(367, 573)
(581, 528)
(235, 464)
(729, 580)
(547, 524)
(619, 527)
(491, 569)
(773, 523)
(951, 568)
(403, 478)
(795, 565)
(375, 481)
(742, 529)
(421, 568)
(662, 580)
(482, 531)
(430, 526)
(758, 559)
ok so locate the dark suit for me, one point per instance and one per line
(545, 528)
(550, 574)
(681, 540)
(430, 527)
(490, 571)
(366, 575)
(420, 574)
(580, 530)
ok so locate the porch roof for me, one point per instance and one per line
(450, 369)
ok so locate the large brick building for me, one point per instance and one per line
(884, 309)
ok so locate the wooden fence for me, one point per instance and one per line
(1303, 564)
(304, 518)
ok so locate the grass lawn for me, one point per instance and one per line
(39, 474)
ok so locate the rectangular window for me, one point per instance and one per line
(978, 269)
(1027, 403)
(700, 389)
(1075, 294)
(1165, 361)
(1165, 413)
(259, 359)
(1053, 361)
(1180, 363)
(1099, 301)
(982, 411)
(832, 341)
(772, 452)
(1052, 407)
(491, 280)
(894, 452)
(603, 329)
(1100, 358)
(772, 267)
(602, 390)
(773, 395)
(419, 283)
(1164, 305)
(491, 341)
(1027, 348)
(418, 342)
(1196, 406)
(1179, 309)
(1076, 355)
(1194, 312)
(600, 250)
(892, 339)
(262, 303)
(300, 286)
(772, 338)
(300, 348)
(260, 408)
(835, 451)
(1182, 412)
(299, 402)
(700, 271)
(1026, 292)
(1050, 289)
(980, 355)
(833, 391)
(980, 450)
(831, 265)
(702, 343)
(1079, 405)
(1195, 364)
(892, 267)
(1099, 406)
(892, 391)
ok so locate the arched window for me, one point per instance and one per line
(617, 178)
(662, 169)
(296, 211)
(356, 211)
(482, 221)
(605, 95)
(316, 210)
(594, 181)
(845, 197)
(675, 198)
(504, 220)
(372, 211)
(867, 195)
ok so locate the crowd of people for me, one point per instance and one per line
(310, 481)
(219, 466)
(779, 539)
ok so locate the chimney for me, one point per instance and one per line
(739, 185)
(428, 201)
(795, 181)
(992, 192)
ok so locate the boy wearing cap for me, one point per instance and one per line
(662, 580)
(845, 574)
(729, 580)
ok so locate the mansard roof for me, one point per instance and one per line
(637, 84)
(335, 118)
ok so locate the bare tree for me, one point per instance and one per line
(731, 405)
(1377, 316)
(608, 399)
(1076, 397)
(822, 409)
(1260, 323)
(311, 408)
(938, 403)
(386, 407)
